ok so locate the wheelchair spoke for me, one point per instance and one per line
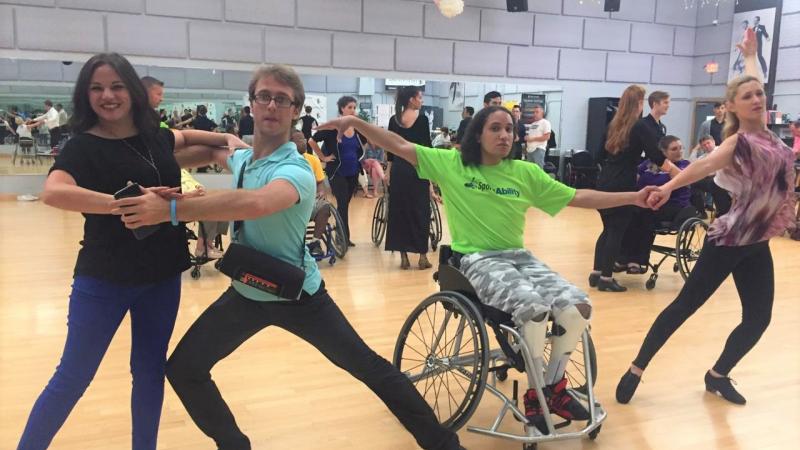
(427, 350)
(422, 338)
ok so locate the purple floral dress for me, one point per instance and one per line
(761, 182)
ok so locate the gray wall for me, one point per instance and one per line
(714, 41)
(577, 46)
(562, 41)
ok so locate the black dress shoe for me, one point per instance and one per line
(627, 386)
(610, 285)
(350, 244)
(724, 387)
(593, 279)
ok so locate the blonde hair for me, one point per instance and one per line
(731, 120)
(619, 130)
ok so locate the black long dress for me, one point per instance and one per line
(409, 196)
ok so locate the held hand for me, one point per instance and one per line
(643, 195)
(147, 209)
(657, 198)
(328, 158)
(748, 46)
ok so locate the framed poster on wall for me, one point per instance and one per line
(763, 17)
(456, 96)
(527, 102)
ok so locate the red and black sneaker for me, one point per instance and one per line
(533, 411)
(563, 404)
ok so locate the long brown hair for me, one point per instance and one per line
(619, 130)
(731, 120)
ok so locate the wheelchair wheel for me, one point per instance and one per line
(689, 243)
(443, 349)
(576, 368)
(334, 239)
(379, 218)
(435, 229)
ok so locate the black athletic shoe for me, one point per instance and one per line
(627, 386)
(610, 285)
(593, 279)
(724, 387)
(563, 404)
(534, 412)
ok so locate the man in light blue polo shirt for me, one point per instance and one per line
(274, 204)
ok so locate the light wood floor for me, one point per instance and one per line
(286, 396)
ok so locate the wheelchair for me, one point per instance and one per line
(444, 349)
(200, 260)
(334, 239)
(690, 232)
(380, 219)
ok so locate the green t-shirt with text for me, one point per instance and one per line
(486, 205)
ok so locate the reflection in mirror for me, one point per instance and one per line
(223, 94)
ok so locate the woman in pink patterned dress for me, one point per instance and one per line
(756, 167)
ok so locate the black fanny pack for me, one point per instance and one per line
(260, 270)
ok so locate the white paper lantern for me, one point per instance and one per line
(450, 8)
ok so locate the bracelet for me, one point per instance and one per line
(173, 212)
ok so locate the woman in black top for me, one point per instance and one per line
(342, 161)
(117, 140)
(627, 137)
(409, 213)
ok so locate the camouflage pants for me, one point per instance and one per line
(516, 282)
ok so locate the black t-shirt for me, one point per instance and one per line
(204, 123)
(246, 126)
(462, 128)
(308, 124)
(716, 131)
(109, 251)
(619, 170)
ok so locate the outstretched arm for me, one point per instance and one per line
(591, 199)
(748, 47)
(387, 140)
(721, 157)
(195, 148)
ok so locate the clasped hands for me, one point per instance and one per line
(652, 197)
(150, 208)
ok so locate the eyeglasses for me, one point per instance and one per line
(281, 101)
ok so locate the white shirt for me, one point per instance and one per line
(536, 129)
(62, 118)
(50, 118)
(24, 132)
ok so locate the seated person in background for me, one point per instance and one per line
(208, 229)
(640, 234)
(721, 197)
(319, 214)
(704, 146)
(442, 140)
(372, 165)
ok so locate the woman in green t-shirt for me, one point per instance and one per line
(486, 195)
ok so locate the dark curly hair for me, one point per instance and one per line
(471, 145)
(83, 116)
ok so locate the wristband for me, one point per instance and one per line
(173, 212)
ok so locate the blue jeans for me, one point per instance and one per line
(96, 308)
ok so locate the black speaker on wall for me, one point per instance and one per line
(601, 111)
(517, 5)
(611, 5)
